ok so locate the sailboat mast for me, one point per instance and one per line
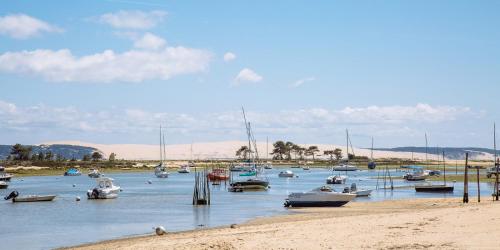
(164, 150)
(371, 153)
(444, 170)
(267, 148)
(247, 126)
(495, 160)
(161, 152)
(347, 144)
(426, 159)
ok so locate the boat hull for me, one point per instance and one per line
(317, 203)
(320, 199)
(4, 185)
(5, 177)
(434, 189)
(249, 185)
(34, 198)
(362, 193)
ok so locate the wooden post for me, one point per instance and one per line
(478, 189)
(466, 179)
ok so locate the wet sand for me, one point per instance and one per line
(401, 224)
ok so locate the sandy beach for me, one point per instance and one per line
(401, 224)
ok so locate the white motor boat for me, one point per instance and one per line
(184, 169)
(358, 192)
(336, 179)
(268, 166)
(5, 176)
(344, 167)
(306, 168)
(105, 189)
(14, 195)
(286, 173)
(319, 197)
(161, 171)
(3, 185)
(94, 173)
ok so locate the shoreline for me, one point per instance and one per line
(442, 217)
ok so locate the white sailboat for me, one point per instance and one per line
(161, 170)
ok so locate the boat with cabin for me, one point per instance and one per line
(72, 172)
(4, 185)
(320, 197)
(105, 189)
(287, 174)
(94, 173)
(336, 179)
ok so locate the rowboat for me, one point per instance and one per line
(14, 195)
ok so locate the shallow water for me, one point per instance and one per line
(167, 202)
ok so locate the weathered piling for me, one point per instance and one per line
(466, 179)
(201, 192)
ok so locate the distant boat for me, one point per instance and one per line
(242, 167)
(14, 195)
(94, 173)
(160, 169)
(72, 172)
(286, 173)
(436, 188)
(371, 163)
(344, 167)
(185, 169)
(319, 197)
(5, 176)
(305, 168)
(249, 173)
(218, 174)
(3, 185)
(336, 179)
(358, 192)
(250, 184)
(416, 173)
(105, 189)
(268, 166)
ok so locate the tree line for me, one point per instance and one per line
(290, 151)
(20, 152)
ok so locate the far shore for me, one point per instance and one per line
(444, 223)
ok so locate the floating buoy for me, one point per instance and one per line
(77, 198)
(150, 182)
(160, 230)
(74, 185)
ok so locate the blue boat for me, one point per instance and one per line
(72, 172)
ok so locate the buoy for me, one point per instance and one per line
(160, 230)
(78, 198)
(150, 182)
(74, 185)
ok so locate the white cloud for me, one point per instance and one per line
(133, 19)
(229, 56)
(21, 26)
(149, 41)
(108, 66)
(247, 75)
(303, 80)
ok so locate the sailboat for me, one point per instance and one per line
(436, 188)
(371, 163)
(347, 166)
(268, 164)
(254, 182)
(161, 170)
(418, 173)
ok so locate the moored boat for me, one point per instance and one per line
(286, 173)
(336, 179)
(3, 185)
(344, 167)
(105, 189)
(5, 176)
(439, 188)
(14, 195)
(72, 172)
(319, 197)
(218, 174)
(358, 192)
(250, 184)
(94, 173)
(184, 169)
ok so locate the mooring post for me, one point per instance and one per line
(466, 179)
(478, 188)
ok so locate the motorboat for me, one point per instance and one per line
(242, 167)
(3, 185)
(336, 179)
(432, 172)
(295, 166)
(5, 176)
(72, 172)
(286, 173)
(268, 166)
(94, 173)
(344, 167)
(306, 168)
(184, 169)
(320, 197)
(14, 195)
(105, 189)
(161, 171)
(250, 184)
(218, 174)
(358, 192)
(414, 177)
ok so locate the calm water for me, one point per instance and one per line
(167, 202)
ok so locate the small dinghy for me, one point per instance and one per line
(3, 185)
(94, 173)
(105, 189)
(72, 172)
(28, 198)
(286, 174)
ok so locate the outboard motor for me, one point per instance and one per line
(12, 195)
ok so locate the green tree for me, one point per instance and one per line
(86, 157)
(288, 150)
(338, 154)
(21, 152)
(279, 150)
(60, 157)
(243, 152)
(49, 156)
(112, 157)
(312, 150)
(296, 149)
(329, 153)
(96, 156)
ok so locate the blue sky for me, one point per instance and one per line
(112, 71)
